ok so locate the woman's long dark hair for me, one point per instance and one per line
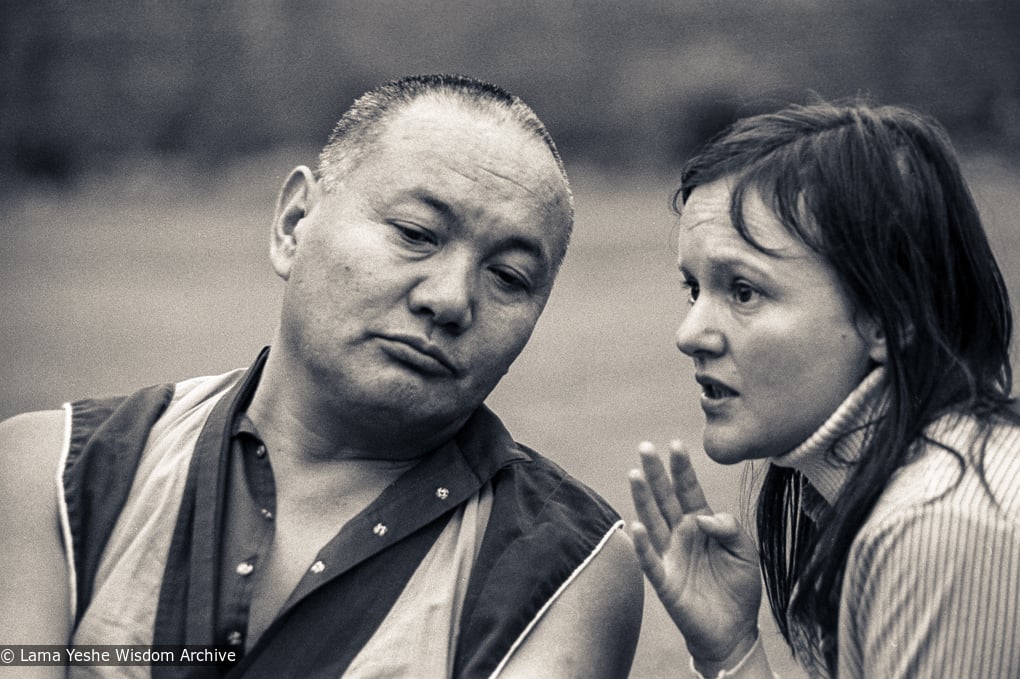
(877, 192)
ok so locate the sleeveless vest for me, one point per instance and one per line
(453, 597)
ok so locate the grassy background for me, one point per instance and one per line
(151, 273)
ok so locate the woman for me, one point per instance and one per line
(848, 322)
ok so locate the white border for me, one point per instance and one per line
(538, 616)
(65, 521)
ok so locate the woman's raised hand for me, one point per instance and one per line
(703, 566)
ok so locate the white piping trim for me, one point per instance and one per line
(65, 521)
(538, 616)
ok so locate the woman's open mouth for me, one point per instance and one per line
(714, 389)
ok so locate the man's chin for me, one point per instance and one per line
(423, 405)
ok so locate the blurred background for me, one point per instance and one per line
(142, 145)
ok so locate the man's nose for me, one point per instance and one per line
(446, 293)
(699, 333)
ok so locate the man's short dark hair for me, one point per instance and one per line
(356, 132)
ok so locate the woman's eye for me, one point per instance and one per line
(692, 289)
(743, 293)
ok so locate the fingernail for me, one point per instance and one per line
(646, 447)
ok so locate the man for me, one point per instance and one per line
(347, 505)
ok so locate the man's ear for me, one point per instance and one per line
(297, 197)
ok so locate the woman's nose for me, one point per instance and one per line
(698, 333)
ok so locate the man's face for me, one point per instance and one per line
(417, 282)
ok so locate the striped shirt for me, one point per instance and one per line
(932, 585)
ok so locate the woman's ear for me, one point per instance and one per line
(874, 337)
(297, 197)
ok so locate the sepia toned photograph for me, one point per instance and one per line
(568, 339)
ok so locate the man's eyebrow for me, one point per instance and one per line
(526, 244)
(437, 204)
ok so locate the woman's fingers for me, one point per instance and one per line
(686, 489)
(648, 556)
(655, 528)
(726, 530)
(723, 527)
(662, 498)
(659, 482)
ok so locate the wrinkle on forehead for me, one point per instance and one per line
(527, 189)
(451, 123)
(539, 181)
(507, 170)
(713, 202)
(510, 179)
(707, 204)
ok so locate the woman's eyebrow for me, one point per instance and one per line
(728, 262)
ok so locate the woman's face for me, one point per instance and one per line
(775, 344)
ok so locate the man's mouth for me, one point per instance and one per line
(419, 353)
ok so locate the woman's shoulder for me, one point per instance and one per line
(934, 567)
(986, 454)
(964, 468)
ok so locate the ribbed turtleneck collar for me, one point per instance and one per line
(827, 456)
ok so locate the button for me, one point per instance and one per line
(260, 452)
(266, 514)
(442, 493)
(235, 638)
(318, 567)
(380, 529)
(244, 568)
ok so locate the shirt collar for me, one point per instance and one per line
(487, 446)
(440, 482)
(827, 457)
(483, 440)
